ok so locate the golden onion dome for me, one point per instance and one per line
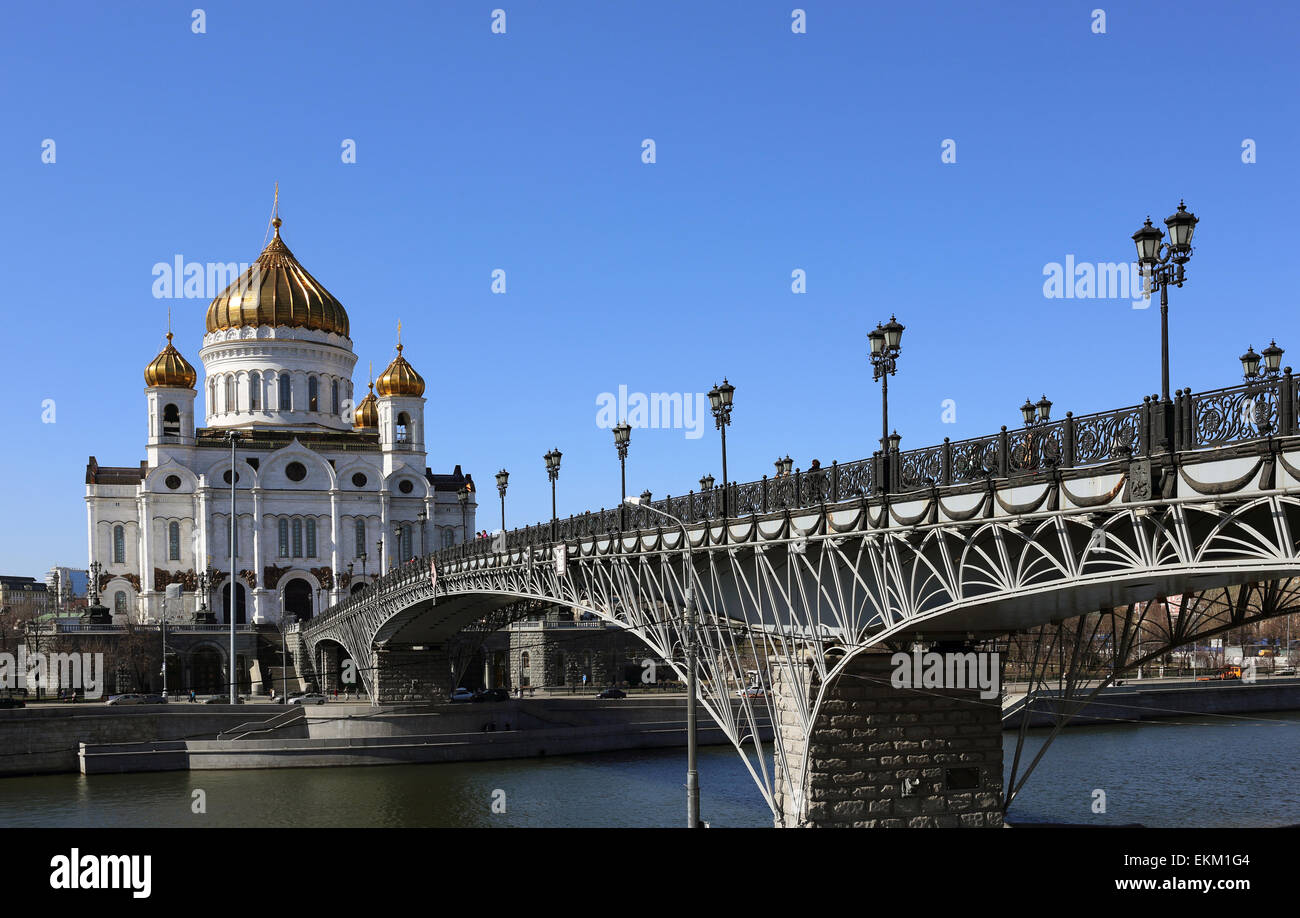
(277, 291)
(170, 369)
(400, 378)
(367, 413)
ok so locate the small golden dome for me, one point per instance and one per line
(170, 369)
(277, 291)
(367, 413)
(400, 378)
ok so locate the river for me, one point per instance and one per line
(1195, 771)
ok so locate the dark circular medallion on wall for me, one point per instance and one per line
(359, 480)
(405, 487)
(172, 482)
(295, 471)
(226, 477)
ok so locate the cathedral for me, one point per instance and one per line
(328, 493)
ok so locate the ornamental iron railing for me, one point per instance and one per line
(1263, 408)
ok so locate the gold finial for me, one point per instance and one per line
(370, 371)
(275, 210)
(399, 336)
(169, 325)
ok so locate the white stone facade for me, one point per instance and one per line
(313, 495)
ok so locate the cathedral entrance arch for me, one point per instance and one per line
(297, 599)
(241, 604)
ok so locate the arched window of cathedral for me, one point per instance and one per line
(286, 402)
(284, 538)
(255, 391)
(403, 427)
(231, 404)
(173, 541)
(171, 420)
(212, 396)
(361, 538)
(311, 538)
(119, 602)
(525, 669)
(236, 535)
(313, 394)
(334, 396)
(448, 538)
(119, 544)
(297, 538)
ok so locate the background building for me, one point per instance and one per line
(328, 493)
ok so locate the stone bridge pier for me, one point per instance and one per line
(886, 757)
(328, 667)
(412, 673)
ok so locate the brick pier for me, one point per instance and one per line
(406, 674)
(870, 738)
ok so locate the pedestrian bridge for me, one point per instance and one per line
(956, 544)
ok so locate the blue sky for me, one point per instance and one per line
(775, 152)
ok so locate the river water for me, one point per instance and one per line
(1196, 771)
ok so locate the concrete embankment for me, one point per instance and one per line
(100, 739)
(1159, 700)
(45, 738)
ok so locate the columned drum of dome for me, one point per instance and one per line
(277, 350)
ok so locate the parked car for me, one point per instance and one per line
(308, 698)
(492, 694)
(154, 699)
(222, 699)
(129, 698)
(462, 694)
(752, 691)
(9, 701)
(1285, 671)
(612, 693)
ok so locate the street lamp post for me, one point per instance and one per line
(622, 435)
(885, 348)
(720, 402)
(379, 555)
(503, 478)
(423, 517)
(688, 573)
(207, 580)
(553, 472)
(1162, 264)
(92, 590)
(234, 571)
(463, 496)
(1252, 372)
(361, 556)
(1034, 416)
